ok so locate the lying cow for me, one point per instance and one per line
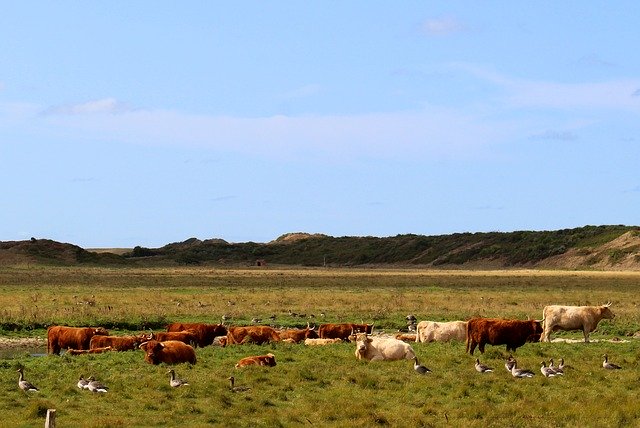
(268, 360)
(343, 331)
(432, 331)
(258, 334)
(321, 342)
(492, 331)
(298, 335)
(205, 333)
(170, 352)
(379, 349)
(62, 337)
(117, 343)
(585, 318)
(89, 351)
(406, 337)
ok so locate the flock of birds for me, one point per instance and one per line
(511, 365)
(96, 386)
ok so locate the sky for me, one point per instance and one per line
(150, 122)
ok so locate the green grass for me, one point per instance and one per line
(318, 386)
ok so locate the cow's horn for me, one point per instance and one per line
(608, 304)
(142, 344)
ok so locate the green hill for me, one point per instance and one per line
(589, 247)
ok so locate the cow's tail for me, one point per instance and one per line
(468, 342)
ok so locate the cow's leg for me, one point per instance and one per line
(585, 330)
(472, 347)
(481, 347)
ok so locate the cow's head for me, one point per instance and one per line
(152, 348)
(101, 331)
(362, 342)
(536, 328)
(271, 360)
(606, 313)
(311, 333)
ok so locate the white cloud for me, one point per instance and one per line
(442, 26)
(101, 106)
(431, 131)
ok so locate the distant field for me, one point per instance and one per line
(118, 251)
(326, 386)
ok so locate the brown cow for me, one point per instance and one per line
(321, 342)
(62, 337)
(343, 331)
(298, 335)
(258, 334)
(170, 352)
(89, 351)
(513, 333)
(188, 336)
(205, 333)
(118, 343)
(268, 360)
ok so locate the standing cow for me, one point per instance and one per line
(343, 331)
(432, 331)
(62, 337)
(258, 334)
(492, 331)
(382, 349)
(205, 333)
(585, 318)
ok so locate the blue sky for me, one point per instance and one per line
(144, 123)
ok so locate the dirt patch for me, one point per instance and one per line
(22, 343)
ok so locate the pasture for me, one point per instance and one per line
(318, 386)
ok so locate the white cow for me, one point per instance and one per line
(379, 348)
(432, 331)
(585, 318)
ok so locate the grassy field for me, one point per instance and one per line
(324, 386)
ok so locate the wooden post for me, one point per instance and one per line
(50, 422)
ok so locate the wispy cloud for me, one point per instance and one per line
(101, 106)
(555, 135)
(442, 26)
(613, 94)
(593, 60)
(223, 198)
(303, 91)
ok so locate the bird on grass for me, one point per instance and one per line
(96, 386)
(174, 381)
(607, 365)
(239, 388)
(516, 372)
(83, 383)
(482, 368)
(419, 367)
(556, 369)
(508, 364)
(547, 371)
(24, 384)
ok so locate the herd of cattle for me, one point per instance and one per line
(176, 345)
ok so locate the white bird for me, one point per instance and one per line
(482, 368)
(175, 382)
(96, 386)
(240, 388)
(419, 367)
(607, 365)
(556, 369)
(546, 371)
(83, 383)
(25, 385)
(509, 363)
(516, 372)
